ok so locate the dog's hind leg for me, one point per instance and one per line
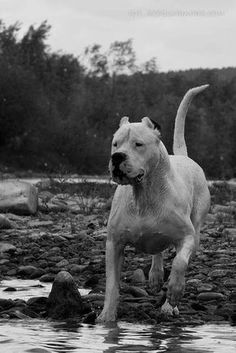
(156, 273)
(176, 284)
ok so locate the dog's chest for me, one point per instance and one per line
(146, 234)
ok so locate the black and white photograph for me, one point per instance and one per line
(117, 176)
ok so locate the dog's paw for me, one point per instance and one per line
(167, 310)
(106, 317)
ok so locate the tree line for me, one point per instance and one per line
(58, 112)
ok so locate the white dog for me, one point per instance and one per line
(162, 200)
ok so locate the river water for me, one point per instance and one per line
(43, 336)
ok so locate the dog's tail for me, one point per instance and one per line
(179, 145)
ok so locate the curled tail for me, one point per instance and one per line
(179, 145)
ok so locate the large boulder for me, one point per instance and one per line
(18, 197)
(64, 300)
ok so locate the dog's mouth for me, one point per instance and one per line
(139, 178)
(122, 178)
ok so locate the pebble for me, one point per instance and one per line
(62, 263)
(136, 291)
(204, 287)
(207, 296)
(138, 276)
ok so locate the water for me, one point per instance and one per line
(42, 336)
(27, 288)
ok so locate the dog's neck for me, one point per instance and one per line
(152, 190)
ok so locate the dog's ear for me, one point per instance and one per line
(146, 121)
(156, 125)
(124, 120)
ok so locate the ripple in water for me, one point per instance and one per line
(40, 336)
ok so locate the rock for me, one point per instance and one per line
(37, 224)
(7, 248)
(64, 300)
(62, 263)
(230, 234)
(38, 304)
(206, 296)
(18, 197)
(136, 291)
(47, 278)
(26, 271)
(75, 269)
(230, 283)
(4, 222)
(138, 276)
(222, 209)
(91, 282)
(205, 287)
(6, 304)
(38, 272)
(90, 318)
(10, 289)
(218, 273)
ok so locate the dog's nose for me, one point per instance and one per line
(118, 157)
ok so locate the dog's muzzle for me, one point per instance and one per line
(119, 172)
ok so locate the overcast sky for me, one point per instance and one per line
(181, 34)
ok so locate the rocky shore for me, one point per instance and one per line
(66, 236)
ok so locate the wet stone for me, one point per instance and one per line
(218, 273)
(230, 283)
(204, 287)
(138, 276)
(64, 300)
(207, 296)
(47, 278)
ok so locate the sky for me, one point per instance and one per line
(181, 34)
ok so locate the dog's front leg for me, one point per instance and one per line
(177, 276)
(114, 257)
(156, 272)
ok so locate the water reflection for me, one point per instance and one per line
(40, 336)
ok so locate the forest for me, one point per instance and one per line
(58, 112)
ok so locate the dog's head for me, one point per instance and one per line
(135, 151)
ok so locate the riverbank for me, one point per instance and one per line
(69, 233)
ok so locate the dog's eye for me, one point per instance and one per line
(114, 144)
(138, 144)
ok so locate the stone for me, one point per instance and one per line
(47, 278)
(26, 271)
(230, 234)
(91, 282)
(138, 276)
(75, 269)
(7, 248)
(62, 263)
(6, 304)
(136, 291)
(222, 209)
(18, 197)
(37, 224)
(205, 287)
(64, 300)
(230, 283)
(218, 273)
(37, 304)
(4, 222)
(207, 296)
